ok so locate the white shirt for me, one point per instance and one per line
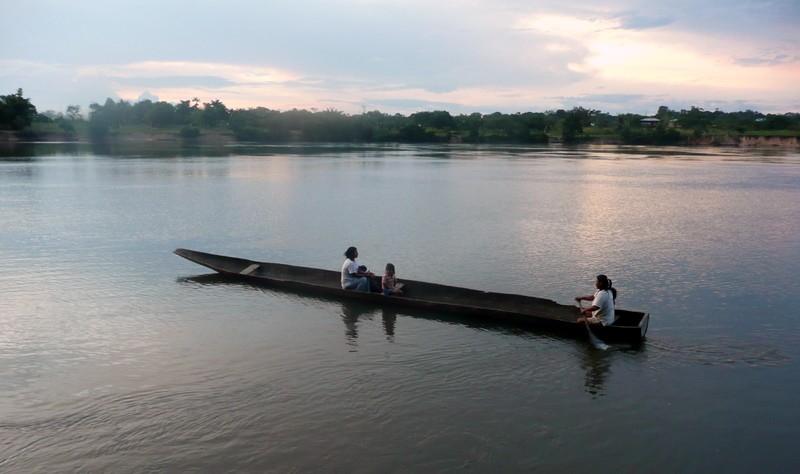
(349, 268)
(604, 300)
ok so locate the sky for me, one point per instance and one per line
(406, 56)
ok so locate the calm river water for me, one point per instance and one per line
(116, 357)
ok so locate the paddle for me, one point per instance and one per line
(596, 341)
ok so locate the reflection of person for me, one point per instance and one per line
(389, 281)
(351, 312)
(389, 321)
(602, 309)
(598, 368)
(354, 276)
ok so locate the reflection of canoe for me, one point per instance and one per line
(631, 326)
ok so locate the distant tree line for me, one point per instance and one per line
(190, 119)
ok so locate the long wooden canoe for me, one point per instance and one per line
(630, 326)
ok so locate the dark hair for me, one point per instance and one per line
(351, 253)
(390, 267)
(605, 284)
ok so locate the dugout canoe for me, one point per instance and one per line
(630, 327)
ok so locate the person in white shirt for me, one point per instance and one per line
(602, 309)
(354, 277)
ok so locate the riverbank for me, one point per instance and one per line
(747, 141)
(224, 138)
(7, 136)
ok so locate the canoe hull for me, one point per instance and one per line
(631, 326)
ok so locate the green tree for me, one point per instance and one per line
(16, 112)
(67, 126)
(574, 121)
(469, 125)
(331, 126)
(214, 113)
(185, 112)
(74, 112)
(696, 119)
(142, 111)
(109, 116)
(162, 114)
(777, 122)
(437, 119)
(499, 128)
(258, 125)
(100, 120)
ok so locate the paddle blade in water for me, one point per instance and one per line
(596, 342)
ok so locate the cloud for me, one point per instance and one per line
(146, 95)
(200, 82)
(644, 22)
(506, 55)
(768, 58)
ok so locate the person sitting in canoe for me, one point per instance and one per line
(355, 276)
(389, 282)
(602, 309)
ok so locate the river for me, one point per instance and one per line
(116, 355)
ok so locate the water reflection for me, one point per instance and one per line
(351, 311)
(354, 312)
(177, 149)
(389, 320)
(18, 151)
(180, 149)
(597, 365)
(662, 351)
(21, 169)
(186, 148)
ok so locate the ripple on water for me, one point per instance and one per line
(718, 351)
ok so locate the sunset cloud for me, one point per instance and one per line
(406, 56)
